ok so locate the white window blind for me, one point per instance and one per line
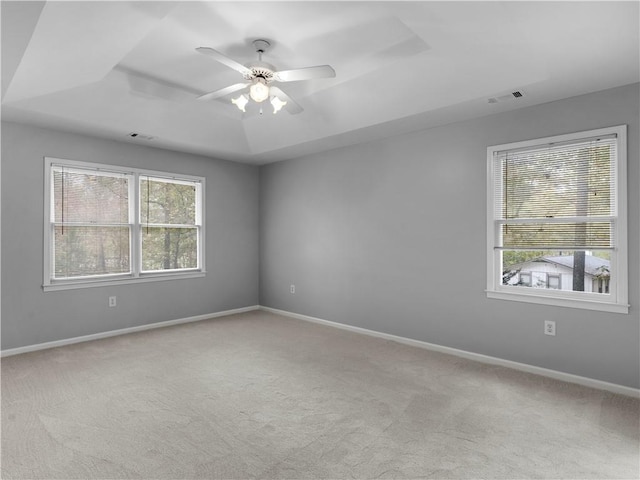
(91, 229)
(557, 196)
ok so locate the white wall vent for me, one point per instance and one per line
(510, 96)
(140, 136)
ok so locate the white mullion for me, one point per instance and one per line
(199, 191)
(556, 247)
(178, 180)
(613, 276)
(172, 225)
(89, 224)
(200, 212)
(497, 260)
(48, 223)
(619, 227)
(493, 230)
(134, 220)
(524, 221)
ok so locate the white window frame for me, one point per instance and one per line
(617, 300)
(135, 258)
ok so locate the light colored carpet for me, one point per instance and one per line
(257, 395)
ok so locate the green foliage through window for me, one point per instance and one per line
(95, 231)
(168, 222)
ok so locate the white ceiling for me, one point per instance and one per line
(112, 68)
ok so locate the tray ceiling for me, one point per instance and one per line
(111, 68)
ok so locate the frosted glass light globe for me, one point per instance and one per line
(259, 91)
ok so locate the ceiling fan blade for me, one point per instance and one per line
(320, 71)
(224, 91)
(292, 107)
(224, 60)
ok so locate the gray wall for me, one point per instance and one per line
(390, 236)
(30, 316)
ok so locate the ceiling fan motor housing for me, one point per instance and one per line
(261, 70)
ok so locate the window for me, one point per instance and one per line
(601, 285)
(525, 279)
(168, 214)
(559, 203)
(107, 224)
(553, 281)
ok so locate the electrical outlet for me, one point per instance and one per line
(550, 327)
(292, 289)
(112, 301)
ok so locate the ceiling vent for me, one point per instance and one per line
(140, 136)
(510, 96)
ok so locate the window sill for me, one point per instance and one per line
(71, 285)
(586, 304)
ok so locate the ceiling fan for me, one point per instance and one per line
(259, 78)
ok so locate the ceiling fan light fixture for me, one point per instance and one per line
(240, 102)
(259, 91)
(277, 104)
(258, 77)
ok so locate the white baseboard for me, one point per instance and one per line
(567, 377)
(122, 331)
